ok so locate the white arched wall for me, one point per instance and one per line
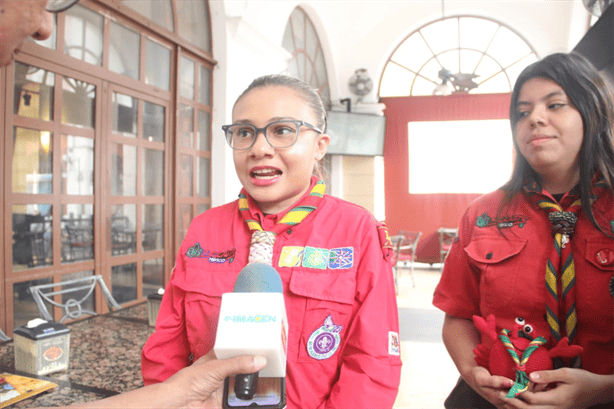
(221, 156)
(369, 41)
(247, 39)
(253, 34)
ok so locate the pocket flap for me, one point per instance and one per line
(328, 286)
(600, 253)
(208, 281)
(491, 250)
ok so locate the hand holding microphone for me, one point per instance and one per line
(253, 321)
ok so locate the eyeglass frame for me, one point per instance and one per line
(263, 130)
(60, 9)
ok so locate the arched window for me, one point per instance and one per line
(307, 62)
(465, 54)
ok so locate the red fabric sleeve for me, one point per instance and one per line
(458, 290)
(369, 376)
(167, 350)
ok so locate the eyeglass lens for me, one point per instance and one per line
(279, 134)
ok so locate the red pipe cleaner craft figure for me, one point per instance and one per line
(516, 353)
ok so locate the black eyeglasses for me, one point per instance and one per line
(58, 6)
(279, 134)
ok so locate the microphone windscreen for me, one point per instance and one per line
(258, 278)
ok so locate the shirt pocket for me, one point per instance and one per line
(326, 311)
(498, 260)
(593, 283)
(203, 297)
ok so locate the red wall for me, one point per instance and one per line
(428, 212)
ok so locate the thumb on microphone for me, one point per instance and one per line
(221, 369)
(202, 382)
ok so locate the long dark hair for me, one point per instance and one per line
(590, 95)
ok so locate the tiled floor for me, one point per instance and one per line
(428, 373)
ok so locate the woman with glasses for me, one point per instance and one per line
(333, 258)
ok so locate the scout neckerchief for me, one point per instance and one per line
(521, 383)
(261, 248)
(560, 268)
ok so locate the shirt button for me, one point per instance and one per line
(605, 256)
(289, 231)
(488, 256)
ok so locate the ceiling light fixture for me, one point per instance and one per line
(459, 83)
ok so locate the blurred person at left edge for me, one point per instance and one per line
(20, 19)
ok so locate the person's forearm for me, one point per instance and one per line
(160, 395)
(460, 338)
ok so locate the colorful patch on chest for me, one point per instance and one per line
(324, 341)
(217, 257)
(291, 256)
(341, 258)
(312, 257)
(502, 223)
(315, 258)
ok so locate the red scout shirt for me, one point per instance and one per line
(502, 272)
(351, 297)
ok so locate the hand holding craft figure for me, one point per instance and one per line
(539, 247)
(518, 352)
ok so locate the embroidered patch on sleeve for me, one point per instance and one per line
(315, 258)
(341, 258)
(385, 242)
(291, 256)
(394, 345)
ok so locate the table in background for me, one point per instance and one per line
(105, 359)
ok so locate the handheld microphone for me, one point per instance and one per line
(253, 321)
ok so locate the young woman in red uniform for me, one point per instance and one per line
(506, 262)
(332, 256)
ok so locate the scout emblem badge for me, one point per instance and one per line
(324, 341)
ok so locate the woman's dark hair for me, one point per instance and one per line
(590, 95)
(310, 95)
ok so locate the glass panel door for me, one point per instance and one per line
(193, 158)
(52, 159)
(135, 212)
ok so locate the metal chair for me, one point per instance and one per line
(72, 307)
(405, 244)
(80, 242)
(446, 238)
